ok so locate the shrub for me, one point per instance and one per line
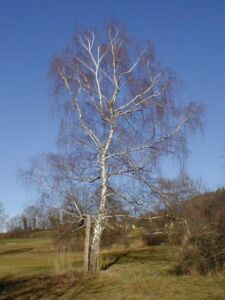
(156, 238)
(114, 237)
(70, 238)
(203, 254)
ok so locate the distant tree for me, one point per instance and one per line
(25, 222)
(15, 223)
(2, 217)
(119, 116)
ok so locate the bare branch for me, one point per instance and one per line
(139, 96)
(84, 125)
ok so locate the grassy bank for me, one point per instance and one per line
(32, 269)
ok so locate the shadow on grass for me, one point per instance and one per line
(114, 260)
(129, 256)
(159, 260)
(74, 287)
(47, 287)
(16, 251)
(51, 288)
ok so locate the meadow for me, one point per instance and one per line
(31, 268)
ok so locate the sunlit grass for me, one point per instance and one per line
(28, 270)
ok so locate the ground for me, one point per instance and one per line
(33, 269)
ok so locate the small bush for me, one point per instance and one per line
(63, 262)
(72, 239)
(175, 233)
(114, 237)
(156, 238)
(203, 254)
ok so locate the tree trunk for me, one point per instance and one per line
(100, 221)
(87, 244)
(187, 227)
(94, 254)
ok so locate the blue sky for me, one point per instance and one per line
(189, 36)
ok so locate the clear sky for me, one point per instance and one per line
(189, 36)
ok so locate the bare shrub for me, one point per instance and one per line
(203, 254)
(175, 233)
(156, 238)
(74, 239)
(63, 261)
(67, 262)
(115, 237)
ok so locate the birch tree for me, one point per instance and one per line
(120, 116)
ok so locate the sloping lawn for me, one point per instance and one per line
(32, 269)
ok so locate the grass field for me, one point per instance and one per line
(32, 269)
